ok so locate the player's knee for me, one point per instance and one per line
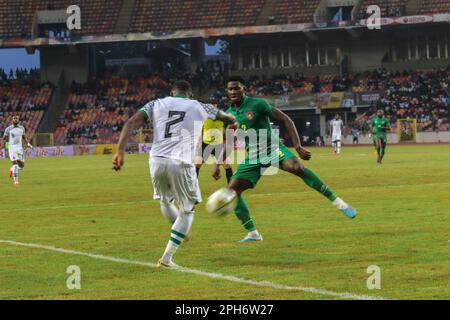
(298, 169)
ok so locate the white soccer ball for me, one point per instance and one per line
(222, 202)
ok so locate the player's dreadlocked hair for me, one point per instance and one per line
(236, 79)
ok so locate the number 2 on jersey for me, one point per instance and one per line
(180, 117)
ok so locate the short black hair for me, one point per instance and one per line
(182, 86)
(236, 79)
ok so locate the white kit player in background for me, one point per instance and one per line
(336, 126)
(15, 136)
(177, 127)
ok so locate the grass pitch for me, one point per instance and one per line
(79, 203)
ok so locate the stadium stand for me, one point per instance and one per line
(24, 97)
(97, 111)
(434, 6)
(16, 17)
(298, 84)
(295, 11)
(421, 95)
(169, 15)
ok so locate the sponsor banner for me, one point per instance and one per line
(126, 62)
(291, 101)
(417, 19)
(83, 150)
(349, 100)
(103, 149)
(48, 152)
(144, 147)
(367, 98)
(330, 100)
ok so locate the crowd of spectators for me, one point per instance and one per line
(420, 95)
(97, 110)
(21, 93)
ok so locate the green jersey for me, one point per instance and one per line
(253, 116)
(377, 123)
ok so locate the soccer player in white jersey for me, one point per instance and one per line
(15, 136)
(336, 126)
(177, 124)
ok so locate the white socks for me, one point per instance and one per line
(340, 204)
(179, 231)
(15, 170)
(338, 148)
(169, 211)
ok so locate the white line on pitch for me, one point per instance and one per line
(266, 284)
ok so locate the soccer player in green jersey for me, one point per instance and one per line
(380, 127)
(256, 114)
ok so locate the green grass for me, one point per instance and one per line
(79, 203)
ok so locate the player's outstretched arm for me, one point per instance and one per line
(228, 118)
(133, 123)
(281, 117)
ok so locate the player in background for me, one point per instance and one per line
(355, 134)
(256, 114)
(336, 126)
(15, 137)
(380, 127)
(177, 124)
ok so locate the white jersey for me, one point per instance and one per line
(336, 127)
(15, 134)
(177, 126)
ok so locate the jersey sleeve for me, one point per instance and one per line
(265, 108)
(209, 111)
(6, 133)
(147, 110)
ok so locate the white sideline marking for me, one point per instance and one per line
(267, 284)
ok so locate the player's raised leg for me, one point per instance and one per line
(293, 165)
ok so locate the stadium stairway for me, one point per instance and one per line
(56, 107)
(267, 11)
(124, 21)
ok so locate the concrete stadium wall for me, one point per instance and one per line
(73, 60)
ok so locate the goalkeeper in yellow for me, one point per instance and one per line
(212, 144)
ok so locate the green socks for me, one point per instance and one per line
(243, 214)
(313, 181)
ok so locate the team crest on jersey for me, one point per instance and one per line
(249, 115)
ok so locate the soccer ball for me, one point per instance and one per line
(222, 202)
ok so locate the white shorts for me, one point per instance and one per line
(175, 180)
(336, 138)
(16, 153)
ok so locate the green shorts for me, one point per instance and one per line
(253, 171)
(383, 138)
